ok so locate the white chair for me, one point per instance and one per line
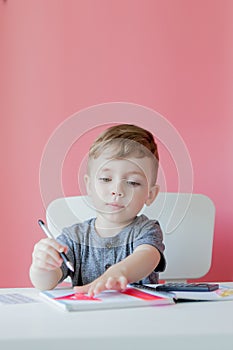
(187, 221)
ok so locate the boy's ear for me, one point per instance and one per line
(87, 183)
(154, 190)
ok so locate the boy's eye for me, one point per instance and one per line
(133, 183)
(104, 179)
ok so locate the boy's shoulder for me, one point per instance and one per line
(143, 220)
(143, 225)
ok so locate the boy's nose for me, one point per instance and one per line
(117, 193)
(118, 190)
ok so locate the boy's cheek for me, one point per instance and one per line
(87, 181)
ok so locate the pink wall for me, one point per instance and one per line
(58, 57)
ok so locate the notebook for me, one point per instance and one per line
(66, 299)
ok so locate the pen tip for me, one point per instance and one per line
(40, 222)
(70, 266)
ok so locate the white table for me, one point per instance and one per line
(192, 325)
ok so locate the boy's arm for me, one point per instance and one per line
(136, 266)
(141, 263)
(43, 279)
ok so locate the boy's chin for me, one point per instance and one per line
(118, 218)
(110, 210)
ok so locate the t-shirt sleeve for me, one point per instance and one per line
(151, 234)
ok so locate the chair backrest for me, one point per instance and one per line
(187, 221)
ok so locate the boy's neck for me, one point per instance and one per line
(109, 229)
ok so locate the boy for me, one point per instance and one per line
(117, 247)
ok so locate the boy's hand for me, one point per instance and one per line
(46, 255)
(113, 278)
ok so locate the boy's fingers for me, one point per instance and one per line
(82, 289)
(56, 245)
(98, 288)
(110, 283)
(117, 283)
(46, 263)
(123, 282)
(45, 252)
(52, 247)
(48, 243)
(49, 267)
(91, 288)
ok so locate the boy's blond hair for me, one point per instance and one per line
(125, 140)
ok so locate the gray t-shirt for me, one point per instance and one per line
(91, 254)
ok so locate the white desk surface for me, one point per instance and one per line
(191, 325)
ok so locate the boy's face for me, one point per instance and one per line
(119, 188)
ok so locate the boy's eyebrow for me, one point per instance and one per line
(105, 169)
(134, 172)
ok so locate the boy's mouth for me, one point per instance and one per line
(115, 205)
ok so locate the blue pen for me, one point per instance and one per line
(63, 255)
